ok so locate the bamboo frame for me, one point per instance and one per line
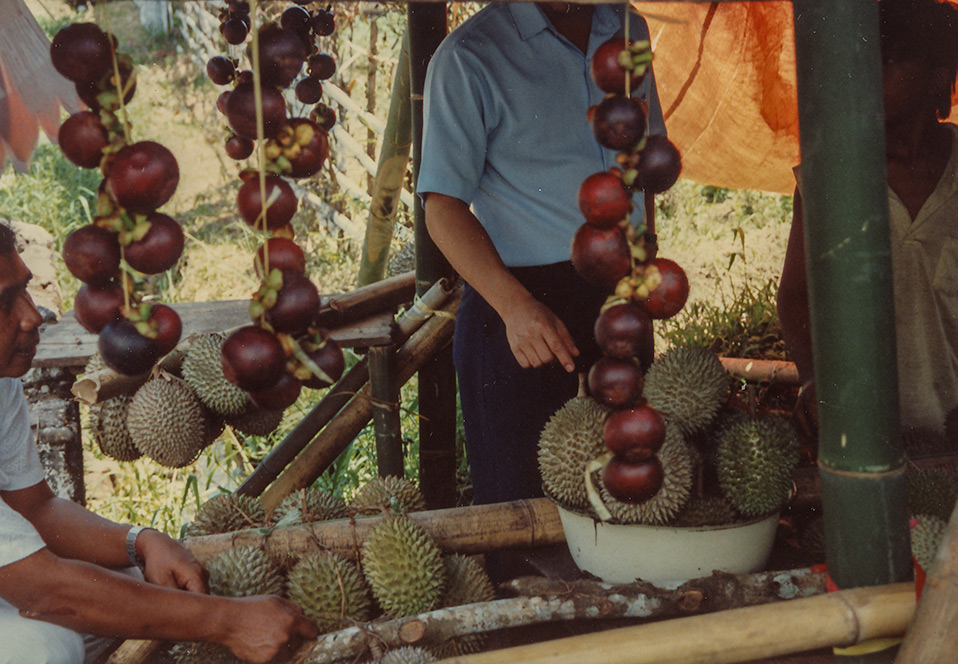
(837, 619)
(476, 529)
(346, 425)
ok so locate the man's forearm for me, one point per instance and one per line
(468, 248)
(94, 600)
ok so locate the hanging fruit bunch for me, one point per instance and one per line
(283, 349)
(128, 239)
(610, 252)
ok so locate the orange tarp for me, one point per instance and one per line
(726, 79)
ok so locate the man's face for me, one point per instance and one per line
(19, 318)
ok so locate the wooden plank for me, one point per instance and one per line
(66, 344)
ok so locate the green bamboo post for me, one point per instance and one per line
(390, 175)
(386, 420)
(437, 378)
(844, 188)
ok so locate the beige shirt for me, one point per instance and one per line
(925, 265)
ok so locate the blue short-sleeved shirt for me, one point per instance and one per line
(505, 126)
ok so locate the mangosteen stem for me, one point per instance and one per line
(309, 364)
(594, 498)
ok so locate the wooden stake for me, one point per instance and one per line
(476, 529)
(837, 619)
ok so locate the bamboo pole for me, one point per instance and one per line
(346, 425)
(390, 175)
(563, 601)
(931, 636)
(475, 529)
(772, 371)
(367, 300)
(837, 619)
(844, 187)
(338, 396)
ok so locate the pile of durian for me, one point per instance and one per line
(178, 413)
(720, 464)
(402, 571)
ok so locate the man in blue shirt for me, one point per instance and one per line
(506, 145)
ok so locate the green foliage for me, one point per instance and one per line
(744, 325)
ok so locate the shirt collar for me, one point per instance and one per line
(529, 19)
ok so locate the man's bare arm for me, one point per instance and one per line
(536, 336)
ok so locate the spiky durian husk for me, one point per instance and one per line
(679, 472)
(755, 460)
(167, 422)
(203, 370)
(330, 589)
(687, 385)
(108, 422)
(569, 441)
(225, 513)
(394, 494)
(926, 537)
(202, 653)
(255, 421)
(403, 565)
(932, 491)
(918, 442)
(709, 511)
(812, 537)
(466, 583)
(309, 506)
(243, 571)
(406, 655)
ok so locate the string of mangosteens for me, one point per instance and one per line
(128, 240)
(283, 349)
(610, 252)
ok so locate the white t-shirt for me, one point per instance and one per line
(19, 468)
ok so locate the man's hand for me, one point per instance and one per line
(169, 564)
(536, 335)
(266, 628)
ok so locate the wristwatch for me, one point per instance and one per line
(131, 536)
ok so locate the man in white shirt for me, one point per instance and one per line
(58, 561)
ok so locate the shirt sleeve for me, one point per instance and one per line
(19, 468)
(455, 121)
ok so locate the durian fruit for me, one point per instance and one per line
(679, 474)
(167, 422)
(926, 537)
(932, 491)
(203, 370)
(403, 566)
(688, 385)
(406, 655)
(256, 421)
(309, 506)
(394, 494)
(466, 583)
(755, 460)
(330, 589)
(108, 422)
(244, 571)
(705, 511)
(569, 441)
(225, 513)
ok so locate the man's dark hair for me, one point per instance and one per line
(925, 30)
(8, 241)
